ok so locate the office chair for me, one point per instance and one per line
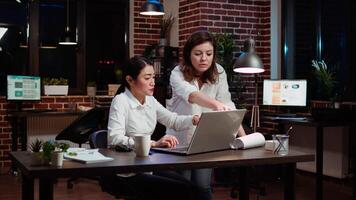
(111, 184)
(80, 129)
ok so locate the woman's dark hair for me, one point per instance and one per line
(197, 38)
(133, 69)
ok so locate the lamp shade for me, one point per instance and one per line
(152, 8)
(68, 38)
(248, 62)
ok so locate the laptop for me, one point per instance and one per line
(215, 131)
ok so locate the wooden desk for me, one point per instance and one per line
(127, 162)
(319, 125)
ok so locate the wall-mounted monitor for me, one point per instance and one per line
(23, 88)
(285, 92)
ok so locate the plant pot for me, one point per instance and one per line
(57, 158)
(337, 104)
(112, 89)
(162, 42)
(56, 90)
(91, 91)
(36, 159)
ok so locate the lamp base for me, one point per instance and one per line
(255, 117)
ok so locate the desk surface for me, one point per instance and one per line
(127, 162)
(308, 121)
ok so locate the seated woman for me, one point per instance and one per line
(135, 111)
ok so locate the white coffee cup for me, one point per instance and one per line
(142, 144)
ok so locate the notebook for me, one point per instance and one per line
(86, 155)
(215, 131)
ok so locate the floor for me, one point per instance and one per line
(85, 189)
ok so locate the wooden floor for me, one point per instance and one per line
(86, 189)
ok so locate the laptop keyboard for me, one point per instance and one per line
(180, 149)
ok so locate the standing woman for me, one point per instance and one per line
(199, 85)
(135, 111)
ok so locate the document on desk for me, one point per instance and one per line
(249, 141)
(86, 155)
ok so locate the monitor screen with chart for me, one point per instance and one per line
(23, 88)
(285, 92)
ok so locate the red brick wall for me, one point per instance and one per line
(146, 29)
(243, 19)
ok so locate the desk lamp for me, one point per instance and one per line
(152, 8)
(249, 63)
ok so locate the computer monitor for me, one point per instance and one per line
(285, 92)
(23, 88)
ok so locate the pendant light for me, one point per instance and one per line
(68, 38)
(152, 8)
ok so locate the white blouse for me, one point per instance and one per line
(181, 90)
(128, 116)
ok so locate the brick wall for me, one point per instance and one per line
(146, 29)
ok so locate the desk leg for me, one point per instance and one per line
(23, 137)
(14, 140)
(244, 189)
(46, 188)
(319, 162)
(352, 130)
(27, 188)
(289, 181)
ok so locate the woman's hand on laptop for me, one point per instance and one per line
(218, 106)
(195, 120)
(168, 141)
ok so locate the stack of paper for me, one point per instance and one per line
(86, 155)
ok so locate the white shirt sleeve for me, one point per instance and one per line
(171, 119)
(223, 95)
(116, 123)
(181, 87)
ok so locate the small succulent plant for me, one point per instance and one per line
(36, 145)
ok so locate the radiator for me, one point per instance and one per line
(48, 127)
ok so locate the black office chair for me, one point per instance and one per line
(80, 129)
(111, 184)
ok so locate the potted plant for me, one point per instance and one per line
(336, 101)
(53, 152)
(165, 24)
(91, 88)
(55, 86)
(225, 48)
(36, 147)
(325, 79)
